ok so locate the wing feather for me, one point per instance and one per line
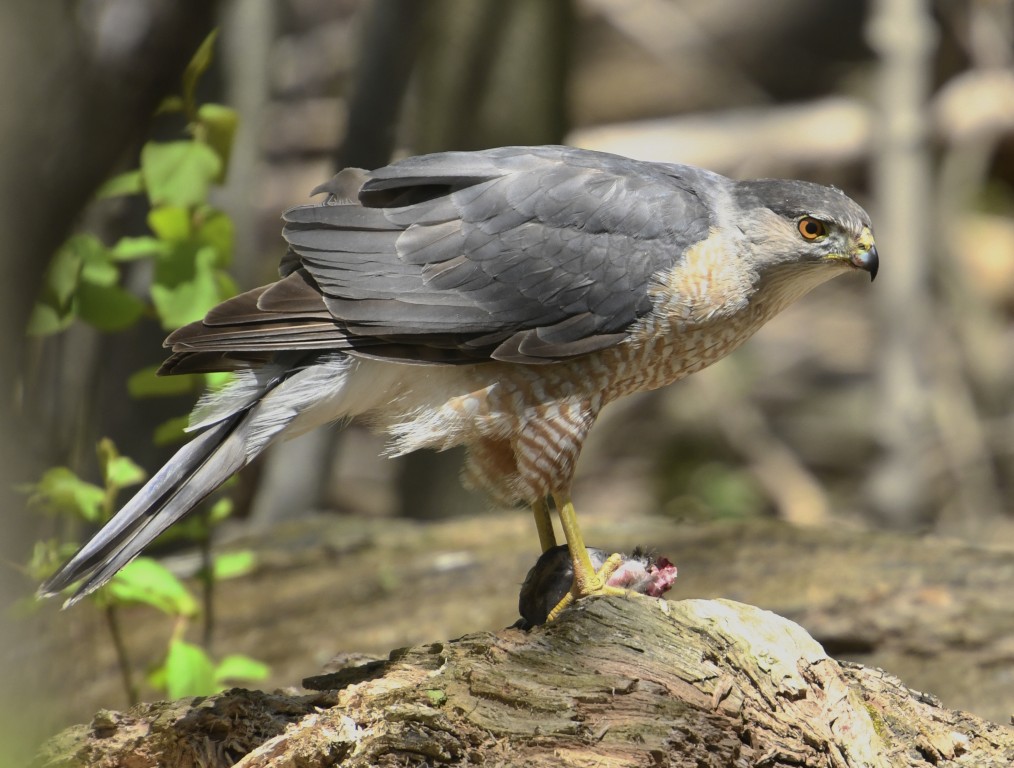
(528, 254)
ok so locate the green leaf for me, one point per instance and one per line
(232, 565)
(178, 266)
(130, 248)
(122, 472)
(147, 383)
(237, 667)
(128, 183)
(57, 305)
(170, 223)
(108, 308)
(216, 229)
(189, 301)
(226, 285)
(65, 270)
(95, 259)
(106, 451)
(61, 491)
(42, 559)
(101, 301)
(219, 123)
(179, 172)
(197, 66)
(216, 380)
(220, 510)
(157, 678)
(117, 471)
(189, 671)
(147, 581)
(47, 556)
(171, 431)
(169, 104)
(99, 271)
(46, 320)
(198, 527)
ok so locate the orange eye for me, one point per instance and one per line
(811, 228)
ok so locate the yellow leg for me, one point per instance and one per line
(613, 562)
(547, 539)
(586, 580)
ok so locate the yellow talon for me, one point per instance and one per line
(609, 567)
(587, 581)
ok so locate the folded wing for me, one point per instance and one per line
(522, 254)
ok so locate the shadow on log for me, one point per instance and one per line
(614, 682)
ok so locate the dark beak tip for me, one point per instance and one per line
(869, 261)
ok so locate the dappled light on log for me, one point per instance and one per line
(614, 681)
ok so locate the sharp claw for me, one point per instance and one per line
(596, 585)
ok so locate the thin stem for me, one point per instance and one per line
(207, 582)
(113, 622)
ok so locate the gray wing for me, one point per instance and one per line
(525, 254)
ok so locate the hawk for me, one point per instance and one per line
(496, 300)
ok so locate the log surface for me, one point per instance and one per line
(614, 682)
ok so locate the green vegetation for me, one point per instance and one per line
(189, 249)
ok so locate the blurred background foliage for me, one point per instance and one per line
(883, 407)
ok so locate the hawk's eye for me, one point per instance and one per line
(811, 228)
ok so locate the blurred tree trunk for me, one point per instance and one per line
(973, 382)
(389, 47)
(79, 84)
(103, 68)
(295, 475)
(902, 33)
(494, 73)
(245, 57)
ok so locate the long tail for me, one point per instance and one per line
(239, 423)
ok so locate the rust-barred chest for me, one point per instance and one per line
(667, 357)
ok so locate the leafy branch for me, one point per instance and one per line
(188, 249)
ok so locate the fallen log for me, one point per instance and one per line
(613, 682)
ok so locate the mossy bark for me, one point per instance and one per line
(614, 682)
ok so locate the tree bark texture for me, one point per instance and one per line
(614, 682)
(934, 612)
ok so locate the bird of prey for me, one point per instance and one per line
(496, 300)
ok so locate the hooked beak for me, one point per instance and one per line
(867, 260)
(865, 256)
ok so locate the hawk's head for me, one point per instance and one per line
(799, 223)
